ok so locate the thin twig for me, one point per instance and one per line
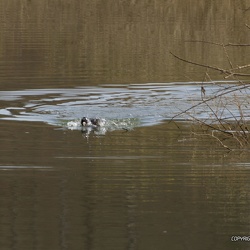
(241, 67)
(228, 59)
(210, 126)
(238, 131)
(224, 71)
(219, 44)
(207, 100)
(225, 146)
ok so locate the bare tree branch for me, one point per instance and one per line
(220, 44)
(223, 71)
(236, 129)
(209, 99)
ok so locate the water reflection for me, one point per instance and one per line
(120, 204)
(86, 131)
(82, 43)
(137, 189)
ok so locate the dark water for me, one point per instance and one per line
(141, 181)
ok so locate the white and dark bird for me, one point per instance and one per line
(92, 122)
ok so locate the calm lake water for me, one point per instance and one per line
(141, 181)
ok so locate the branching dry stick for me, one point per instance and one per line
(215, 115)
(228, 59)
(198, 64)
(212, 134)
(237, 68)
(240, 131)
(211, 127)
(219, 44)
(242, 122)
(225, 146)
(241, 67)
(209, 99)
(239, 136)
(223, 71)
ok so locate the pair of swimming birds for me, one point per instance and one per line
(92, 122)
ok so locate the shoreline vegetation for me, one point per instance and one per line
(230, 131)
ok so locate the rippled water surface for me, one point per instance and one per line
(122, 106)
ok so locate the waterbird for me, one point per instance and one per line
(92, 122)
